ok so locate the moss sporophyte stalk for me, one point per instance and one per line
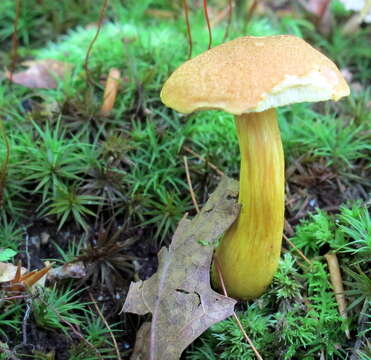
(249, 77)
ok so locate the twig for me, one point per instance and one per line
(198, 156)
(100, 21)
(250, 12)
(25, 319)
(297, 249)
(79, 335)
(189, 33)
(206, 14)
(234, 313)
(193, 196)
(288, 228)
(15, 39)
(322, 11)
(337, 284)
(9, 298)
(27, 238)
(106, 324)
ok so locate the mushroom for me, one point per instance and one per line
(249, 77)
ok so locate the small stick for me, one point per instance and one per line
(297, 249)
(198, 156)
(25, 319)
(288, 228)
(9, 298)
(27, 237)
(206, 14)
(106, 324)
(256, 352)
(15, 39)
(190, 185)
(337, 284)
(323, 9)
(250, 12)
(110, 91)
(189, 33)
(100, 21)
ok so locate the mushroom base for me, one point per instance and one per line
(250, 250)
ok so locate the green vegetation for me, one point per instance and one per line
(57, 309)
(10, 317)
(109, 190)
(99, 337)
(298, 316)
(341, 142)
(10, 234)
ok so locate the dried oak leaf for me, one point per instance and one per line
(41, 74)
(16, 279)
(179, 295)
(8, 271)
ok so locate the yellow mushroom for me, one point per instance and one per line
(249, 77)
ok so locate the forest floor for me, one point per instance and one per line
(94, 190)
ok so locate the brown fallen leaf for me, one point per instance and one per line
(8, 271)
(141, 342)
(16, 279)
(41, 74)
(179, 295)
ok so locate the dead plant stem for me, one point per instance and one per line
(100, 21)
(297, 249)
(25, 319)
(249, 341)
(193, 196)
(106, 324)
(198, 156)
(189, 33)
(15, 39)
(337, 285)
(206, 15)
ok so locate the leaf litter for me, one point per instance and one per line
(179, 296)
(40, 74)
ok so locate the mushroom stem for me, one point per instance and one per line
(249, 251)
